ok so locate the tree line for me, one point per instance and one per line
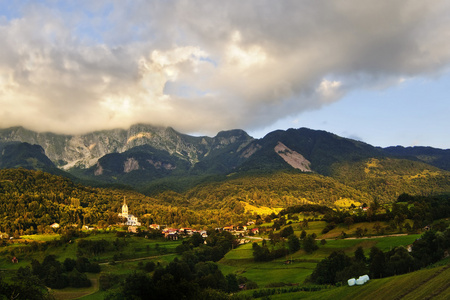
(338, 267)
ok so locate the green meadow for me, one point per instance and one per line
(433, 283)
(240, 260)
(276, 274)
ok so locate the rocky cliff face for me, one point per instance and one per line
(83, 151)
(294, 159)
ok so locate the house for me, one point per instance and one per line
(204, 234)
(188, 231)
(155, 226)
(171, 234)
(250, 223)
(228, 228)
(54, 226)
(132, 229)
(131, 220)
(255, 230)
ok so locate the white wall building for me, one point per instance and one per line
(131, 220)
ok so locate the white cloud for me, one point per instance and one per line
(329, 90)
(206, 66)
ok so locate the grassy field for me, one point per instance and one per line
(424, 284)
(41, 237)
(240, 260)
(138, 250)
(313, 227)
(136, 247)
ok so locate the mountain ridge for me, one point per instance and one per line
(149, 157)
(68, 151)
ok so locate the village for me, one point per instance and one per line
(177, 233)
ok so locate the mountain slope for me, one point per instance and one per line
(153, 159)
(387, 178)
(138, 165)
(320, 148)
(436, 157)
(24, 155)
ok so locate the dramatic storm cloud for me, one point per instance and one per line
(203, 66)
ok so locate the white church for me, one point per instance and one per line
(131, 220)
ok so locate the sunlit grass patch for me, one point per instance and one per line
(390, 242)
(41, 237)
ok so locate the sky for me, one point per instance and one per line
(375, 71)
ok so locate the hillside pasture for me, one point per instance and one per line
(131, 247)
(313, 227)
(431, 283)
(240, 260)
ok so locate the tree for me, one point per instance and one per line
(305, 223)
(359, 232)
(377, 263)
(400, 262)
(377, 227)
(232, 283)
(309, 244)
(77, 279)
(375, 205)
(356, 269)
(196, 239)
(348, 221)
(137, 286)
(359, 254)
(407, 226)
(303, 235)
(293, 243)
(287, 231)
(260, 253)
(325, 271)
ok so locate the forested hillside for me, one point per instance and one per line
(30, 201)
(280, 189)
(387, 178)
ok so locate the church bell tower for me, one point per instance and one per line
(124, 209)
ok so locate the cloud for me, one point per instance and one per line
(206, 66)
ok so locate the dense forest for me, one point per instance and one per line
(30, 201)
(387, 178)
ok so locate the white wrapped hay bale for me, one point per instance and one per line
(351, 282)
(360, 281)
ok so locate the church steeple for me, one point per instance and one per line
(124, 208)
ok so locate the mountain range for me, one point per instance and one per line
(151, 158)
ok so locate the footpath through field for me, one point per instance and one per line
(135, 259)
(373, 237)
